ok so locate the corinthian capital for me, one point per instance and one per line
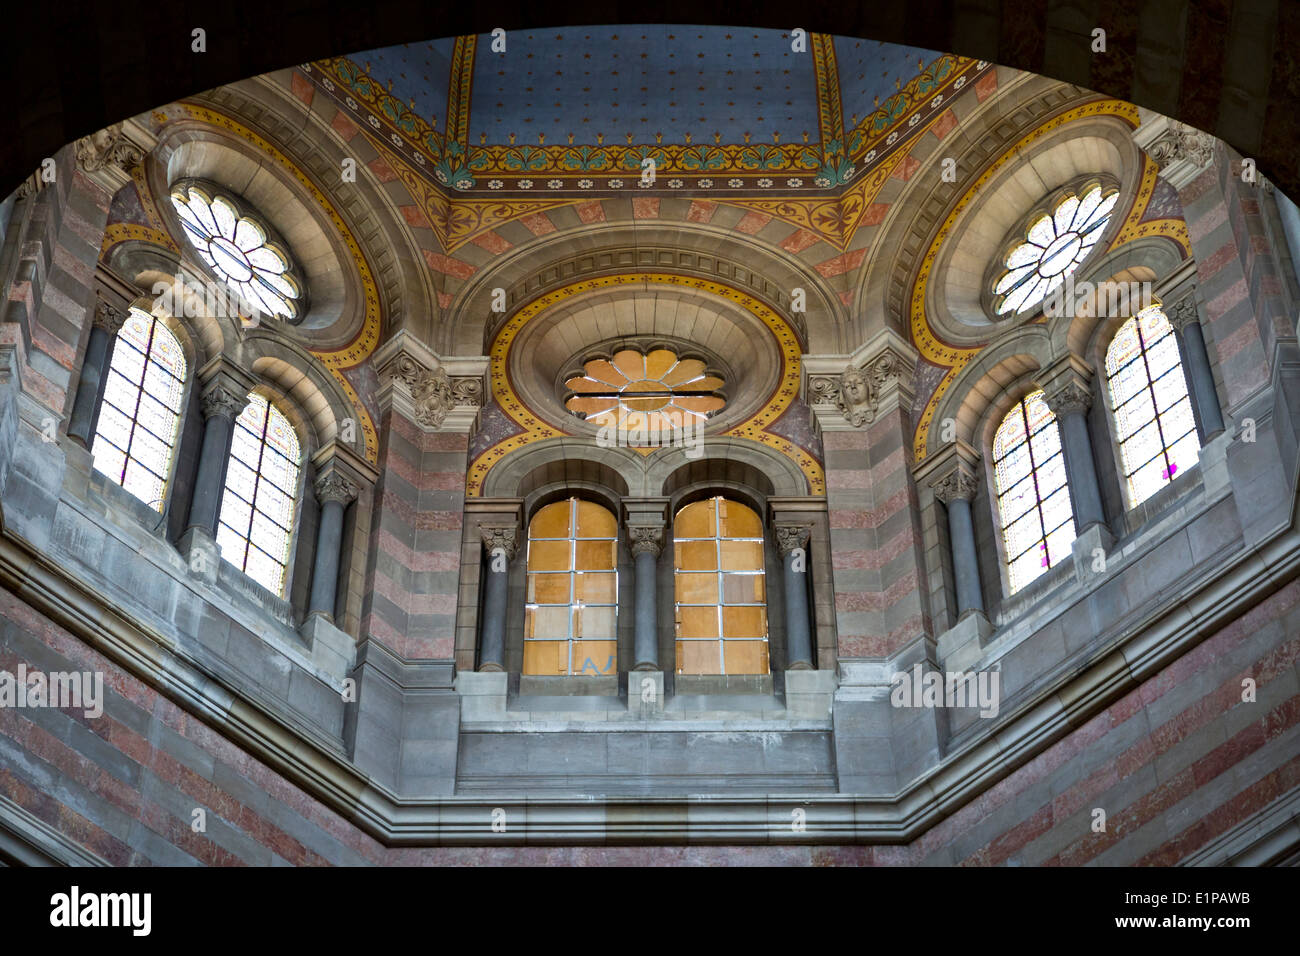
(334, 486)
(223, 401)
(1183, 312)
(958, 483)
(791, 536)
(108, 149)
(501, 539)
(109, 317)
(645, 540)
(1069, 398)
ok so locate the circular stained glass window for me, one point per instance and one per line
(240, 249)
(654, 391)
(1053, 247)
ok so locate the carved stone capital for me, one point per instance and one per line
(220, 400)
(108, 149)
(856, 391)
(333, 485)
(958, 483)
(500, 539)
(644, 539)
(1068, 398)
(791, 536)
(1183, 312)
(433, 393)
(1181, 152)
(109, 317)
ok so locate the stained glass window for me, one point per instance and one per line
(141, 409)
(1033, 496)
(572, 594)
(1154, 424)
(237, 248)
(1054, 247)
(721, 589)
(655, 393)
(257, 507)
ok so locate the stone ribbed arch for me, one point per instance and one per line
(566, 459)
(726, 460)
(537, 263)
(986, 380)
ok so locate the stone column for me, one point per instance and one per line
(955, 490)
(792, 542)
(334, 491)
(501, 545)
(1069, 400)
(1186, 320)
(222, 401)
(645, 544)
(107, 323)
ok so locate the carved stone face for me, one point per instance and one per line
(854, 387)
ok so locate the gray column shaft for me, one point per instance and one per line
(798, 633)
(1202, 380)
(493, 648)
(93, 370)
(1081, 470)
(646, 632)
(210, 478)
(965, 566)
(325, 576)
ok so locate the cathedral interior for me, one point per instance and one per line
(650, 443)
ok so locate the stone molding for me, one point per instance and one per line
(1069, 398)
(1184, 312)
(428, 393)
(220, 399)
(109, 317)
(854, 395)
(957, 484)
(1180, 151)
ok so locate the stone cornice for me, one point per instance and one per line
(313, 764)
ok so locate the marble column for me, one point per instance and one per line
(107, 323)
(955, 490)
(792, 542)
(221, 406)
(1069, 402)
(334, 491)
(501, 545)
(1186, 320)
(645, 542)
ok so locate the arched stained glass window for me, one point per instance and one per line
(572, 590)
(135, 434)
(721, 593)
(1033, 497)
(1054, 246)
(257, 507)
(1154, 424)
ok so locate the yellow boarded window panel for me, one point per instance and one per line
(721, 594)
(572, 591)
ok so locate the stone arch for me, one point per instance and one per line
(726, 460)
(565, 460)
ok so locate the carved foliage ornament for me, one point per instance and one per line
(500, 539)
(109, 317)
(1184, 312)
(958, 483)
(109, 147)
(219, 400)
(1070, 397)
(1182, 143)
(856, 392)
(433, 392)
(334, 486)
(645, 539)
(791, 536)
